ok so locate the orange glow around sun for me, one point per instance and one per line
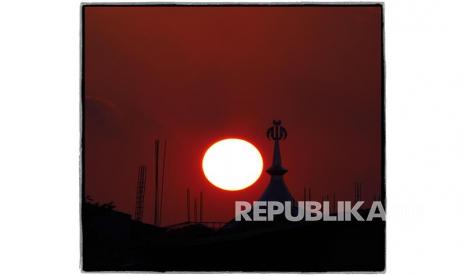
(232, 164)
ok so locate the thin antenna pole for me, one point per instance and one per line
(201, 206)
(162, 180)
(155, 178)
(360, 192)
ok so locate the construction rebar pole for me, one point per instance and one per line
(356, 192)
(136, 213)
(140, 190)
(155, 216)
(162, 181)
(195, 210)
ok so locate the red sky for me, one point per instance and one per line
(194, 75)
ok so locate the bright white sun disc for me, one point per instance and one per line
(232, 164)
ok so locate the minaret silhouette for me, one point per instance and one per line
(277, 189)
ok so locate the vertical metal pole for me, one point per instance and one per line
(162, 181)
(155, 216)
(201, 206)
(188, 206)
(137, 211)
(195, 210)
(356, 192)
(140, 191)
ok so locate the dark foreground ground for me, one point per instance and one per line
(113, 242)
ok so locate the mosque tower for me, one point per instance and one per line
(277, 189)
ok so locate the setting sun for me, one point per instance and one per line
(232, 164)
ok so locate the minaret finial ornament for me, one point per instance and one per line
(276, 132)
